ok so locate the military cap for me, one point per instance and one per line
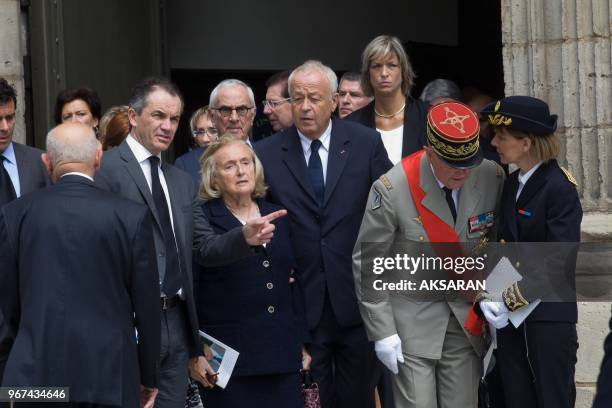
(523, 113)
(452, 132)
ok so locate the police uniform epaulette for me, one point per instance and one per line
(386, 182)
(569, 176)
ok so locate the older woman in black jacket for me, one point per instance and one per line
(250, 304)
(539, 204)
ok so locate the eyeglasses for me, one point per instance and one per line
(212, 132)
(274, 104)
(226, 111)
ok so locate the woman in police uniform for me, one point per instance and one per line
(539, 204)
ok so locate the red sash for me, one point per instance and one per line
(436, 229)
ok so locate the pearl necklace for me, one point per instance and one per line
(391, 115)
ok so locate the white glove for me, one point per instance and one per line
(496, 313)
(389, 352)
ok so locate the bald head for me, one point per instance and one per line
(72, 147)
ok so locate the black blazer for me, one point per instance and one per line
(323, 237)
(415, 122)
(76, 265)
(32, 176)
(250, 304)
(555, 216)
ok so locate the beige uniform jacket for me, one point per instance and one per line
(390, 217)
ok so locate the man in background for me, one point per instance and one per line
(350, 94)
(276, 105)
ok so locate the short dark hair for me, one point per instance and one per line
(7, 93)
(142, 90)
(280, 78)
(350, 76)
(87, 95)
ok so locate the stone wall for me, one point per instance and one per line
(560, 51)
(11, 52)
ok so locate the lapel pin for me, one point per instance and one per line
(525, 213)
(342, 151)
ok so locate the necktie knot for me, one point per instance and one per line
(315, 145)
(154, 160)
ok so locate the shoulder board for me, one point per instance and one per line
(569, 176)
(499, 171)
(386, 182)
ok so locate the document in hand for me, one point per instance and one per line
(503, 276)
(221, 358)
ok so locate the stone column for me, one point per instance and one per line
(560, 51)
(11, 52)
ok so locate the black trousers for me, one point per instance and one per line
(537, 364)
(343, 363)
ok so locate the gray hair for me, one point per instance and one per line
(71, 149)
(230, 82)
(379, 47)
(208, 190)
(440, 88)
(314, 65)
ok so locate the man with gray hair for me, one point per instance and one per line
(77, 278)
(232, 104)
(321, 170)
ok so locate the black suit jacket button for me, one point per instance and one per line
(269, 285)
(266, 264)
(270, 309)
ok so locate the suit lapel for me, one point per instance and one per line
(135, 171)
(469, 197)
(293, 157)
(177, 211)
(434, 198)
(509, 205)
(537, 179)
(337, 158)
(24, 169)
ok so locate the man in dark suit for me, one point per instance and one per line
(77, 277)
(321, 170)
(134, 171)
(21, 171)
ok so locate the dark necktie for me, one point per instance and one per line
(171, 279)
(451, 203)
(7, 191)
(315, 171)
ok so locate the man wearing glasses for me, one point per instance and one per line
(232, 104)
(276, 106)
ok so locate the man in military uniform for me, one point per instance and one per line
(443, 193)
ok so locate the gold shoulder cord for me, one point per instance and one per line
(569, 176)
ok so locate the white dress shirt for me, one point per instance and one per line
(455, 191)
(142, 156)
(524, 177)
(323, 150)
(77, 173)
